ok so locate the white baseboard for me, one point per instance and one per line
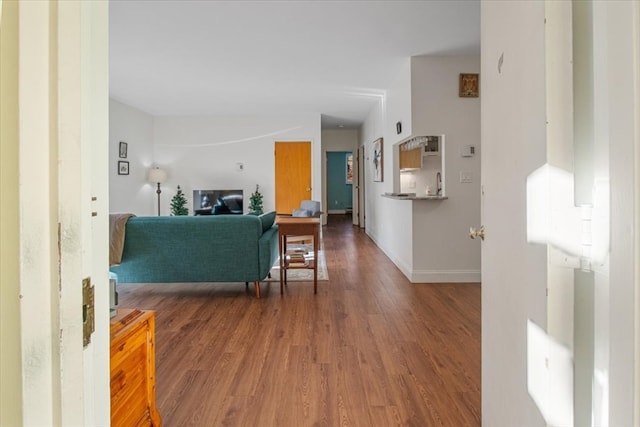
(432, 276)
(337, 212)
(445, 276)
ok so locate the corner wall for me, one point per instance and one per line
(441, 250)
(131, 193)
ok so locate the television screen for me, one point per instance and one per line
(217, 202)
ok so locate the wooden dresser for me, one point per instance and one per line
(133, 369)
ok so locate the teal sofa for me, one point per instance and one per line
(217, 248)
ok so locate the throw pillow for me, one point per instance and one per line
(267, 220)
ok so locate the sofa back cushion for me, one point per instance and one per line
(267, 220)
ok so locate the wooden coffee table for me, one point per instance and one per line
(289, 226)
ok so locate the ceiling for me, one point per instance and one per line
(255, 57)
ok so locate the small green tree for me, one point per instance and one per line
(179, 204)
(255, 205)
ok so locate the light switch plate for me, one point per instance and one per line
(466, 177)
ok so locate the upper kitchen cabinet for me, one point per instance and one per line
(410, 158)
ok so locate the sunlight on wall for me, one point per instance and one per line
(551, 215)
(582, 234)
(553, 218)
(549, 376)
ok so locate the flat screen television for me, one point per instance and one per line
(217, 202)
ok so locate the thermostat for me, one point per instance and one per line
(467, 151)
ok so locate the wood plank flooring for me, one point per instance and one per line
(370, 349)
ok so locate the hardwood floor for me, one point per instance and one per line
(370, 349)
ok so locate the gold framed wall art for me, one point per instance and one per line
(469, 85)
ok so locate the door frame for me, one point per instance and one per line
(63, 123)
(361, 188)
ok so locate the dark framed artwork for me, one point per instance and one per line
(349, 168)
(469, 85)
(123, 150)
(123, 168)
(378, 160)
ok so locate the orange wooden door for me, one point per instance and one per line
(293, 175)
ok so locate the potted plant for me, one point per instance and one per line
(179, 204)
(255, 202)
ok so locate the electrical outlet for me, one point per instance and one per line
(465, 177)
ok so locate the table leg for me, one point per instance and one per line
(280, 242)
(315, 261)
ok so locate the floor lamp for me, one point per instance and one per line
(158, 176)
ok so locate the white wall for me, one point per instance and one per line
(203, 153)
(339, 140)
(381, 123)
(131, 193)
(371, 130)
(442, 246)
(442, 250)
(397, 108)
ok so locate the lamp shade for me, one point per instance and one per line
(157, 175)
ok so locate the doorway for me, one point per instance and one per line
(339, 183)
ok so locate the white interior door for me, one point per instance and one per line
(63, 110)
(95, 209)
(83, 207)
(513, 145)
(559, 127)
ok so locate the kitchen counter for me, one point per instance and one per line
(412, 196)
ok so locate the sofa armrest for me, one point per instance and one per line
(268, 249)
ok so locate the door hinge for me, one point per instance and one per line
(88, 311)
(578, 232)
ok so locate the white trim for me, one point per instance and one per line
(445, 276)
(432, 276)
(39, 298)
(636, 61)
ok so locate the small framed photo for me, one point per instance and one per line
(378, 160)
(469, 85)
(349, 168)
(123, 168)
(123, 150)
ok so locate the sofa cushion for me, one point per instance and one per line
(267, 220)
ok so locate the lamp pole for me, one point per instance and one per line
(158, 191)
(158, 176)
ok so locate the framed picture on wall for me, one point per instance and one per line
(123, 168)
(349, 168)
(378, 160)
(469, 85)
